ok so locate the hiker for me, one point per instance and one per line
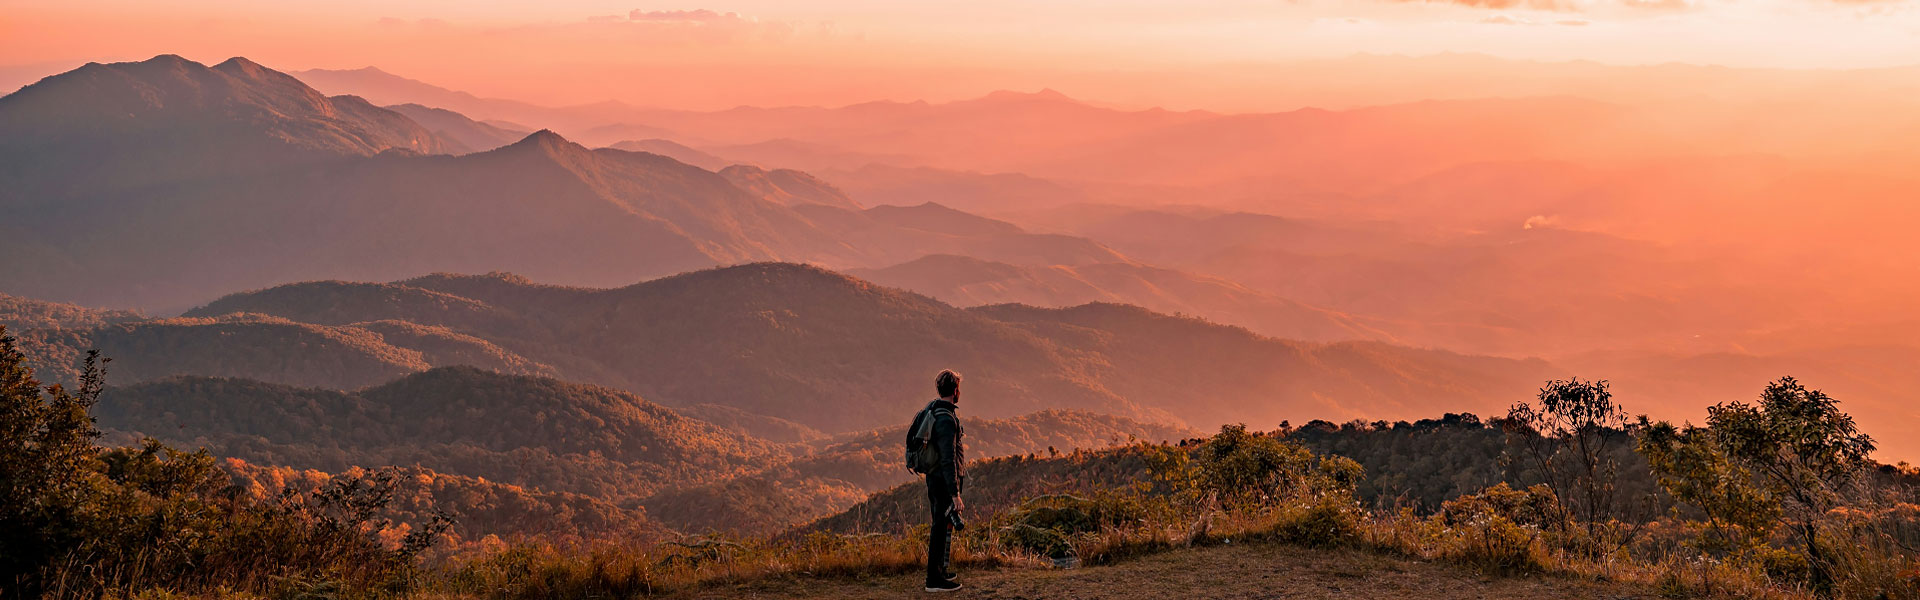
(934, 449)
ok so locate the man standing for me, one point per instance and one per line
(945, 478)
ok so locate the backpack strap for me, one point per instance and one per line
(925, 420)
(926, 424)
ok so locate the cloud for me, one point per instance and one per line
(669, 27)
(1507, 19)
(1635, 5)
(428, 23)
(682, 16)
(1546, 5)
(1658, 5)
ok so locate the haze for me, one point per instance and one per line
(1215, 54)
(1687, 198)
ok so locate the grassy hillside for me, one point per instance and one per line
(844, 471)
(995, 487)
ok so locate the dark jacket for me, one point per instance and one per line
(951, 475)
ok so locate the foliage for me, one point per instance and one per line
(79, 520)
(1691, 467)
(1050, 525)
(1803, 450)
(1421, 464)
(1237, 466)
(46, 457)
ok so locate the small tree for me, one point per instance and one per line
(1801, 448)
(1568, 438)
(46, 456)
(1689, 465)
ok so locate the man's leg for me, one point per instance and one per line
(939, 540)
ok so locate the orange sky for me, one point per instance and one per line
(1190, 54)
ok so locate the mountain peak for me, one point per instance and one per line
(545, 138)
(544, 142)
(240, 64)
(242, 68)
(168, 60)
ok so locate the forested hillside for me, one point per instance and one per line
(527, 431)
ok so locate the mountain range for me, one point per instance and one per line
(521, 455)
(826, 351)
(160, 184)
(237, 176)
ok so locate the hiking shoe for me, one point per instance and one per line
(943, 586)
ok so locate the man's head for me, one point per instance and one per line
(947, 383)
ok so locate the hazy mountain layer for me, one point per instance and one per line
(471, 135)
(969, 281)
(838, 354)
(147, 184)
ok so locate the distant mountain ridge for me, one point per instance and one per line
(823, 350)
(237, 176)
(268, 348)
(126, 124)
(968, 281)
(471, 135)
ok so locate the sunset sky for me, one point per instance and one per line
(720, 53)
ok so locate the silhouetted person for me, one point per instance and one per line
(945, 477)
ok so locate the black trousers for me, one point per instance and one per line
(940, 539)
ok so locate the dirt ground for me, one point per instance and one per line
(1234, 571)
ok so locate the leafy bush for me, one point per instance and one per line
(1532, 507)
(1050, 525)
(1323, 520)
(1498, 529)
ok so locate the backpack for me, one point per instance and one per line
(922, 456)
